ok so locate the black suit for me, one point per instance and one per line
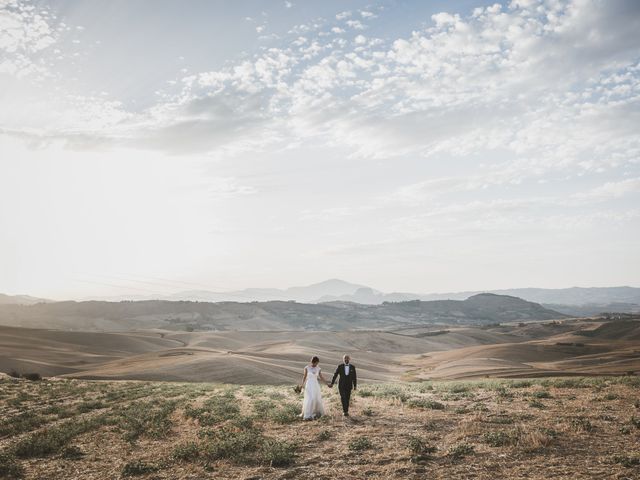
(345, 384)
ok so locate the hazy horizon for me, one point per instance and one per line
(152, 147)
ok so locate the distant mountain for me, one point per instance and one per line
(20, 300)
(592, 309)
(596, 297)
(480, 309)
(333, 288)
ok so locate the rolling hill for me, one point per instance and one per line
(277, 315)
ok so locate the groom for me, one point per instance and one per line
(348, 380)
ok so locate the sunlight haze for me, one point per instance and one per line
(152, 147)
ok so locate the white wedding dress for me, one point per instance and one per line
(312, 406)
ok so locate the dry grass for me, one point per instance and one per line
(68, 429)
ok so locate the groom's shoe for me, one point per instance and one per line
(345, 414)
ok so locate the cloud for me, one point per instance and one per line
(553, 86)
(24, 32)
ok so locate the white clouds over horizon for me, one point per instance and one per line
(499, 128)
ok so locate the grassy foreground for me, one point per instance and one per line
(561, 428)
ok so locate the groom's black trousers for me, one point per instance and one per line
(345, 396)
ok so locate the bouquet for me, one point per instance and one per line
(297, 389)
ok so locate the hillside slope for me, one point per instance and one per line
(201, 316)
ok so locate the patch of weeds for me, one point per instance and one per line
(276, 395)
(215, 409)
(550, 432)
(425, 403)
(500, 419)
(23, 422)
(611, 396)
(535, 440)
(582, 424)
(359, 444)
(365, 392)
(627, 461)
(9, 466)
(368, 412)
(480, 407)
(53, 440)
(389, 391)
(254, 390)
(541, 394)
(504, 393)
(237, 445)
(419, 446)
(497, 439)
(635, 421)
(625, 430)
(263, 407)
(138, 467)
(460, 450)
(287, 413)
(185, 452)
(71, 452)
(147, 418)
(521, 384)
(537, 404)
(324, 435)
(423, 387)
(87, 406)
(277, 453)
(461, 410)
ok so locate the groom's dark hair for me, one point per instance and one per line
(315, 360)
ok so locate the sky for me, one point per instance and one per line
(154, 146)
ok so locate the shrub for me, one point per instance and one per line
(85, 407)
(537, 404)
(14, 373)
(240, 446)
(461, 450)
(147, 418)
(186, 452)
(359, 444)
(53, 440)
(581, 423)
(34, 377)
(541, 394)
(71, 452)
(521, 384)
(138, 467)
(216, 409)
(497, 439)
(23, 422)
(277, 453)
(287, 413)
(626, 460)
(9, 466)
(425, 403)
(324, 435)
(419, 446)
(263, 407)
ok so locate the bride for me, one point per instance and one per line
(312, 406)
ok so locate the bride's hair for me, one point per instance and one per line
(315, 359)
